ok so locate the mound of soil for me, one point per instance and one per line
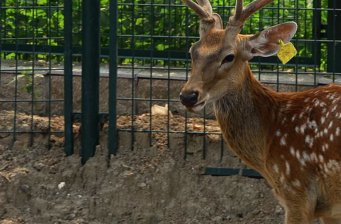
(146, 185)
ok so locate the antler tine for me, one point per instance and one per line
(242, 14)
(253, 7)
(238, 9)
(206, 5)
(203, 9)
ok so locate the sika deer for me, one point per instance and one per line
(292, 139)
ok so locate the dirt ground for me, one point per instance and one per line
(146, 185)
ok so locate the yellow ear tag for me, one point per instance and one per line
(286, 51)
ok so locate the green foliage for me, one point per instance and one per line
(167, 25)
(154, 25)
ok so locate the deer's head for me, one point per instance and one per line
(220, 57)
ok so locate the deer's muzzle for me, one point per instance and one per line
(189, 98)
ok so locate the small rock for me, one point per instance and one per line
(25, 127)
(25, 188)
(160, 110)
(38, 166)
(278, 210)
(217, 219)
(61, 185)
(142, 185)
(228, 218)
(70, 216)
(127, 173)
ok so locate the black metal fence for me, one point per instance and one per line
(125, 61)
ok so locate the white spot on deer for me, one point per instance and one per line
(293, 117)
(302, 128)
(331, 96)
(312, 124)
(298, 156)
(278, 133)
(284, 120)
(325, 168)
(331, 137)
(302, 162)
(292, 151)
(323, 119)
(297, 129)
(323, 148)
(275, 168)
(330, 124)
(321, 158)
(337, 131)
(327, 114)
(301, 114)
(319, 134)
(322, 104)
(296, 183)
(313, 157)
(334, 108)
(306, 99)
(332, 166)
(305, 157)
(283, 141)
(287, 168)
(335, 100)
(309, 140)
(282, 179)
(325, 131)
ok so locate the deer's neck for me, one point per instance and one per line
(245, 117)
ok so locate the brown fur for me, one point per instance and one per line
(292, 139)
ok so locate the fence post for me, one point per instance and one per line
(90, 78)
(112, 133)
(334, 34)
(68, 87)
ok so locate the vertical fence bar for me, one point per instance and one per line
(334, 36)
(68, 87)
(16, 31)
(49, 57)
(187, 67)
(90, 78)
(33, 72)
(112, 133)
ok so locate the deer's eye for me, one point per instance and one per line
(228, 58)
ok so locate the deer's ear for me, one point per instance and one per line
(266, 43)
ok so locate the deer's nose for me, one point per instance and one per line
(189, 98)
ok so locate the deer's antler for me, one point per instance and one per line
(203, 8)
(208, 19)
(241, 14)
